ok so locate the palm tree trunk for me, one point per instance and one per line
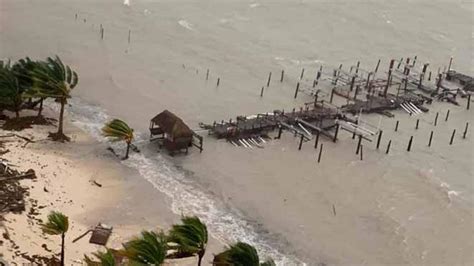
(62, 248)
(40, 107)
(61, 117)
(200, 259)
(128, 149)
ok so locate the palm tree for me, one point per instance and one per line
(190, 237)
(149, 248)
(23, 69)
(105, 259)
(10, 89)
(118, 130)
(53, 79)
(57, 224)
(240, 254)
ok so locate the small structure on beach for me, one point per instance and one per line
(172, 133)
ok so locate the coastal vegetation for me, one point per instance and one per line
(57, 224)
(27, 83)
(118, 130)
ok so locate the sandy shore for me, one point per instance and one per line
(65, 182)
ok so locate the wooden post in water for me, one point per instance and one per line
(280, 129)
(465, 130)
(447, 116)
(301, 142)
(332, 95)
(438, 82)
(396, 126)
(318, 75)
(129, 33)
(450, 62)
(436, 119)
(431, 138)
(379, 138)
(429, 76)
(417, 123)
(409, 143)
(302, 74)
(414, 61)
(218, 81)
(314, 83)
(468, 101)
(317, 140)
(377, 67)
(389, 77)
(335, 133)
(356, 91)
(282, 75)
(388, 147)
(354, 133)
(452, 137)
(358, 144)
(207, 74)
(261, 92)
(352, 82)
(320, 153)
(400, 63)
(357, 67)
(297, 89)
(269, 78)
(361, 152)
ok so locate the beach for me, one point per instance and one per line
(401, 208)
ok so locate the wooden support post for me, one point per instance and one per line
(218, 81)
(368, 80)
(414, 60)
(302, 74)
(334, 210)
(334, 74)
(358, 144)
(409, 143)
(438, 82)
(320, 153)
(450, 62)
(207, 74)
(377, 67)
(388, 78)
(301, 142)
(317, 140)
(447, 116)
(102, 33)
(429, 76)
(318, 75)
(465, 130)
(379, 138)
(400, 63)
(332, 95)
(452, 137)
(269, 78)
(282, 75)
(352, 82)
(280, 129)
(361, 152)
(354, 133)
(261, 92)
(297, 89)
(129, 33)
(335, 133)
(388, 147)
(396, 126)
(468, 101)
(436, 119)
(357, 67)
(417, 123)
(314, 83)
(356, 92)
(431, 138)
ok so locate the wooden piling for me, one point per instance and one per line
(436, 119)
(358, 144)
(269, 78)
(317, 140)
(280, 130)
(332, 95)
(357, 67)
(452, 137)
(129, 33)
(379, 138)
(361, 152)
(356, 91)
(447, 115)
(468, 101)
(282, 75)
(297, 89)
(465, 130)
(320, 153)
(335, 133)
(218, 81)
(429, 76)
(409, 143)
(417, 123)
(261, 92)
(302, 74)
(396, 126)
(207, 74)
(352, 82)
(314, 83)
(301, 142)
(377, 67)
(450, 62)
(334, 210)
(431, 138)
(388, 147)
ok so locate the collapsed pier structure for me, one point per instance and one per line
(404, 86)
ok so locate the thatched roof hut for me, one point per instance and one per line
(172, 125)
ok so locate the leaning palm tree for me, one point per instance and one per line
(149, 249)
(57, 224)
(52, 79)
(190, 238)
(10, 90)
(23, 69)
(118, 130)
(105, 259)
(240, 254)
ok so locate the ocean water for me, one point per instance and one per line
(400, 209)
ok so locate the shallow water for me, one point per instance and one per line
(401, 208)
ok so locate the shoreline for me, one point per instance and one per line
(65, 182)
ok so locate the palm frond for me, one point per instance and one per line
(104, 259)
(118, 130)
(149, 248)
(57, 224)
(190, 237)
(239, 254)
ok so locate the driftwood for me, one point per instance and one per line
(30, 174)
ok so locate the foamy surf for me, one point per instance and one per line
(225, 224)
(183, 23)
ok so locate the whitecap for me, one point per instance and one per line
(183, 23)
(254, 5)
(126, 2)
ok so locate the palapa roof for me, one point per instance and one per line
(172, 124)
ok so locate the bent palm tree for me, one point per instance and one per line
(118, 130)
(23, 69)
(53, 79)
(149, 248)
(57, 224)
(10, 90)
(190, 237)
(240, 254)
(105, 259)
